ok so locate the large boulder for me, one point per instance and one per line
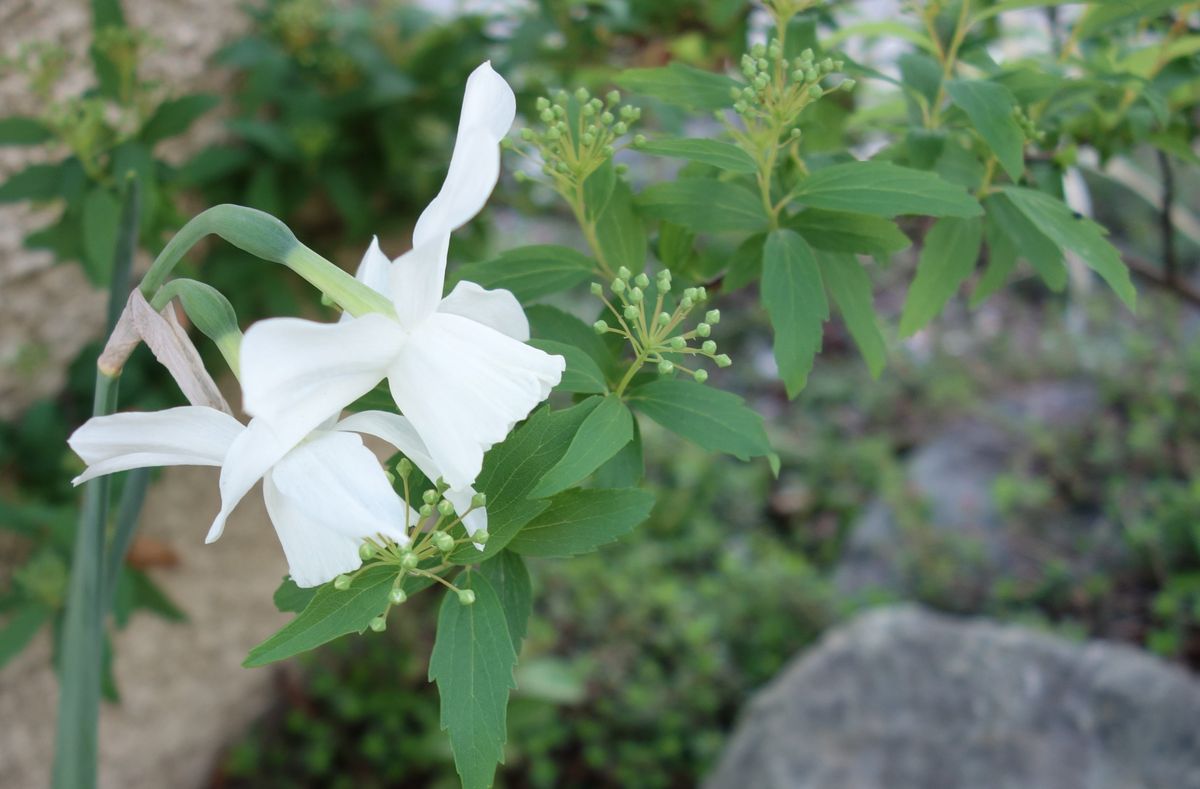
(901, 698)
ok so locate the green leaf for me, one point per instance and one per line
(745, 264)
(603, 433)
(513, 468)
(620, 232)
(552, 324)
(990, 106)
(472, 662)
(581, 520)
(794, 297)
(1042, 254)
(1103, 16)
(883, 189)
(101, 217)
(723, 155)
(838, 231)
(680, 85)
(598, 189)
(290, 598)
(176, 116)
(715, 420)
(626, 468)
(15, 130)
(705, 205)
(1001, 260)
(850, 288)
(582, 376)
(330, 614)
(35, 182)
(947, 259)
(21, 629)
(531, 272)
(508, 576)
(1078, 234)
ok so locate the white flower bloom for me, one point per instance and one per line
(458, 367)
(325, 494)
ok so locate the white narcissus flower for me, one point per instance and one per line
(325, 494)
(458, 367)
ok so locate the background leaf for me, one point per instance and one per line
(723, 155)
(603, 433)
(851, 290)
(947, 259)
(705, 205)
(990, 106)
(531, 272)
(680, 85)
(794, 297)
(581, 520)
(715, 420)
(883, 189)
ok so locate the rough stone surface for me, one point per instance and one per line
(185, 695)
(905, 699)
(953, 476)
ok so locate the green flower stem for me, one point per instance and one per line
(947, 56)
(264, 236)
(589, 231)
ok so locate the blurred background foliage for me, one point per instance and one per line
(639, 656)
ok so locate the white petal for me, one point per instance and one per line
(296, 373)
(496, 308)
(464, 385)
(374, 269)
(399, 432)
(338, 482)
(249, 457)
(417, 278)
(315, 554)
(184, 436)
(487, 114)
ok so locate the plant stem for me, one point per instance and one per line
(579, 209)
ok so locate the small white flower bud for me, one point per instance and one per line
(443, 541)
(409, 560)
(600, 327)
(713, 317)
(481, 537)
(678, 343)
(341, 583)
(703, 330)
(479, 500)
(429, 497)
(665, 367)
(366, 551)
(642, 281)
(397, 596)
(700, 376)
(723, 360)
(466, 596)
(379, 624)
(444, 507)
(709, 347)
(631, 312)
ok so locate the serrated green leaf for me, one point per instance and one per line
(850, 288)
(507, 573)
(290, 598)
(1043, 255)
(552, 324)
(745, 264)
(947, 259)
(680, 85)
(330, 613)
(513, 468)
(35, 182)
(722, 155)
(1078, 234)
(883, 189)
(705, 205)
(1104, 16)
(15, 130)
(598, 189)
(620, 231)
(531, 272)
(1001, 260)
(794, 297)
(472, 663)
(839, 231)
(582, 376)
(601, 435)
(581, 520)
(101, 218)
(626, 468)
(990, 106)
(715, 420)
(175, 116)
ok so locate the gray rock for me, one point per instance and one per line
(953, 476)
(905, 699)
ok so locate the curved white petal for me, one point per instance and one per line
(296, 373)
(464, 385)
(338, 483)
(315, 554)
(400, 433)
(496, 308)
(184, 436)
(250, 456)
(417, 278)
(488, 109)
(374, 268)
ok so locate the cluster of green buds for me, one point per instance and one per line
(1027, 125)
(41, 63)
(124, 47)
(779, 88)
(657, 332)
(576, 134)
(434, 534)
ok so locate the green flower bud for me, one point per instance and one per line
(624, 273)
(600, 327)
(527, 135)
(666, 367)
(713, 317)
(762, 64)
(466, 596)
(709, 347)
(589, 139)
(582, 95)
(618, 285)
(587, 110)
(807, 55)
(678, 343)
(597, 289)
(397, 596)
(613, 97)
(797, 75)
(479, 500)
(608, 150)
(442, 541)
(811, 75)
(481, 537)
(686, 303)
(758, 50)
(642, 281)
(546, 115)
(827, 65)
(444, 507)
(620, 128)
(596, 104)
(379, 624)
(404, 468)
(429, 497)
(607, 118)
(366, 551)
(795, 133)
(664, 318)
(816, 92)
(425, 511)
(739, 107)
(636, 295)
(847, 84)
(341, 583)
(542, 103)
(553, 134)
(700, 376)
(409, 560)
(631, 313)
(703, 329)
(735, 93)
(701, 294)
(723, 360)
